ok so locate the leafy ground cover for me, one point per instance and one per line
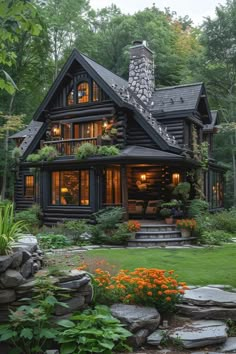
(199, 266)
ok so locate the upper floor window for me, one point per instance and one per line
(83, 92)
(70, 98)
(96, 92)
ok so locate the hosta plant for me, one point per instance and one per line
(93, 331)
(10, 230)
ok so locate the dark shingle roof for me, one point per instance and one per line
(28, 134)
(108, 76)
(143, 152)
(210, 127)
(176, 98)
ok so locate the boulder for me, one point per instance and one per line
(11, 279)
(200, 333)
(5, 262)
(74, 274)
(137, 317)
(229, 346)
(28, 242)
(139, 338)
(156, 337)
(73, 304)
(75, 284)
(7, 296)
(26, 255)
(27, 268)
(206, 312)
(208, 296)
(17, 259)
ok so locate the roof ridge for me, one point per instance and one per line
(85, 55)
(177, 86)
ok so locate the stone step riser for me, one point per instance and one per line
(157, 235)
(158, 243)
(157, 228)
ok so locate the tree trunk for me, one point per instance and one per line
(234, 168)
(6, 146)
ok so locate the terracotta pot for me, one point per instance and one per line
(185, 232)
(169, 220)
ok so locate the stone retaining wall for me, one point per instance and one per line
(17, 280)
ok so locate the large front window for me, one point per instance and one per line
(216, 190)
(70, 188)
(112, 186)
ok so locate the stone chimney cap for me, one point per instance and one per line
(140, 42)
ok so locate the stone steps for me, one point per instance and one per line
(160, 242)
(159, 235)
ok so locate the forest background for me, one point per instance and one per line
(37, 36)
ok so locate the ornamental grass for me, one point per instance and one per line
(148, 287)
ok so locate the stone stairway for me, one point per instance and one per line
(154, 234)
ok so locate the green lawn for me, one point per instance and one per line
(195, 266)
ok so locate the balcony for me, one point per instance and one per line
(68, 146)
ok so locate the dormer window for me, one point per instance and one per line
(70, 98)
(96, 92)
(83, 92)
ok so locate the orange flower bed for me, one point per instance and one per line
(133, 226)
(150, 287)
(188, 224)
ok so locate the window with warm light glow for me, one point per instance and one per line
(70, 188)
(70, 98)
(175, 179)
(29, 186)
(96, 92)
(83, 92)
(87, 130)
(112, 187)
(216, 191)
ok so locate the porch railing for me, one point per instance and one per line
(68, 146)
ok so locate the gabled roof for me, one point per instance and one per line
(28, 134)
(117, 89)
(176, 98)
(210, 127)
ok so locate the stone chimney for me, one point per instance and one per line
(141, 70)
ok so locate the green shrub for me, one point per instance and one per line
(53, 241)
(225, 220)
(33, 158)
(86, 150)
(31, 328)
(10, 230)
(182, 190)
(109, 217)
(120, 236)
(31, 216)
(108, 150)
(197, 207)
(214, 237)
(75, 228)
(93, 331)
(48, 153)
(165, 212)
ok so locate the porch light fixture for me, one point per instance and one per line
(175, 178)
(56, 130)
(143, 177)
(64, 190)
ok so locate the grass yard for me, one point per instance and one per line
(195, 266)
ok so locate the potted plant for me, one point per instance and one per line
(186, 226)
(167, 215)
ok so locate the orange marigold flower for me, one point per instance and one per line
(168, 298)
(149, 293)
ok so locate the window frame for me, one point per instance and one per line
(28, 187)
(79, 194)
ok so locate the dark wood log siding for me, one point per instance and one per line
(21, 201)
(121, 125)
(158, 177)
(137, 136)
(175, 127)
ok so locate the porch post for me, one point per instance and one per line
(124, 190)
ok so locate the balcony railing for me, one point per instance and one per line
(68, 146)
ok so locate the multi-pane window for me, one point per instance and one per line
(83, 92)
(70, 98)
(96, 92)
(70, 188)
(87, 130)
(216, 190)
(112, 186)
(29, 185)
